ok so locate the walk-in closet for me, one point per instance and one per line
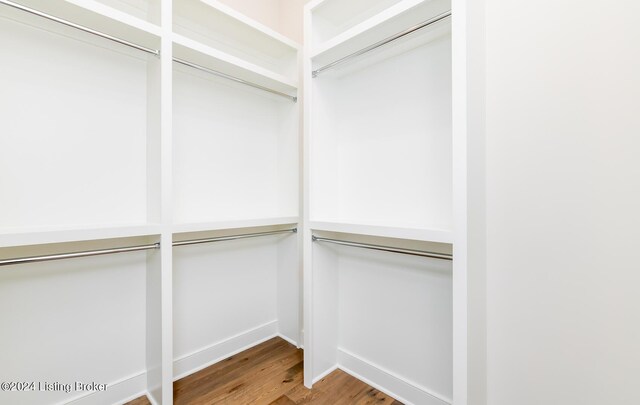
(319, 202)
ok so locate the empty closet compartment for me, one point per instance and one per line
(382, 311)
(212, 28)
(77, 312)
(235, 150)
(380, 121)
(235, 124)
(333, 20)
(235, 185)
(232, 290)
(76, 104)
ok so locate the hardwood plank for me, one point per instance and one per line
(302, 395)
(139, 401)
(270, 373)
(222, 381)
(283, 400)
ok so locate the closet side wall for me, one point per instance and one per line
(563, 191)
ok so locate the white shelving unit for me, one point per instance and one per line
(382, 160)
(425, 235)
(137, 123)
(235, 39)
(147, 122)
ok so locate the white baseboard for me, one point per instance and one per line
(325, 373)
(395, 386)
(119, 392)
(218, 351)
(288, 339)
(151, 399)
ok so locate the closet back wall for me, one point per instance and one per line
(234, 150)
(382, 123)
(64, 127)
(232, 294)
(73, 320)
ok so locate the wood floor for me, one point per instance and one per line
(269, 374)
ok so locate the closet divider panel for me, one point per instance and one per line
(324, 335)
(289, 284)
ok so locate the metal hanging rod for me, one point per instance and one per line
(412, 252)
(233, 78)
(79, 27)
(385, 41)
(234, 237)
(60, 256)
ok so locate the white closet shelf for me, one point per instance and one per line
(200, 54)
(40, 236)
(237, 224)
(419, 234)
(392, 21)
(90, 14)
(248, 22)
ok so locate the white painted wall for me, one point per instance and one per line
(395, 313)
(369, 150)
(232, 294)
(291, 18)
(39, 128)
(73, 320)
(260, 152)
(563, 191)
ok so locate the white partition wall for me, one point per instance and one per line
(379, 170)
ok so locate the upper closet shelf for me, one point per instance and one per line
(40, 236)
(341, 40)
(227, 41)
(425, 235)
(84, 15)
(242, 19)
(204, 56)
(224, 225)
